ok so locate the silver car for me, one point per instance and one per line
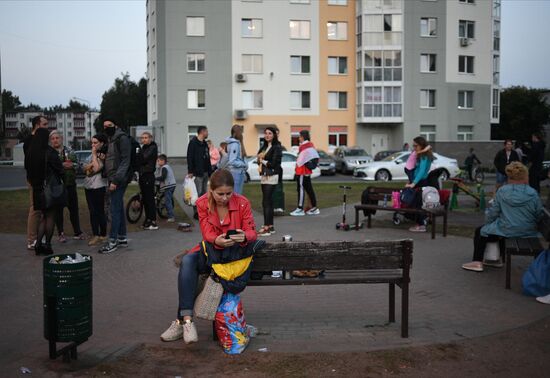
(349, 158)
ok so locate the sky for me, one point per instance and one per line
(53, 51)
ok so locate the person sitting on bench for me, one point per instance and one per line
(515, 213)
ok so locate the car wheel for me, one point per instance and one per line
(382, 175)
(444, 176)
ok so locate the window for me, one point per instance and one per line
(427, 98)
(195, 62)
(466, 64)
(465, 99)
(253, 99)
(467, 1)
(294, 139)
(337, 2)
(251, 28)
(195, 26)
(496, 35)
(466, 29)
(392, 22)
(299, 64)
(21, 115)
(299, 29)
(196, 99)
(428, 132)
(337, 30)
(495, 103)
(465, 133)
(299, 1)
(337, 100)
(382, 102)
(337, 139)
(382, 65)
(337, 65)
(299, 99)
(252, 63)
(191, 132)
(428, 27)
(427, 63)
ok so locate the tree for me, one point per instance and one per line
(10, 102)
(523, 112)
(77, 107)
(23, 133)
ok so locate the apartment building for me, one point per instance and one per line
(374, 73)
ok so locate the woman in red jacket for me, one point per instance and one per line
(220, 210)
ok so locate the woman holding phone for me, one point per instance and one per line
(225, 219)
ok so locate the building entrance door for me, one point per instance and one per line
(379, 143)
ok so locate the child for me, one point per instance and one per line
(167, 185)
(410, 165)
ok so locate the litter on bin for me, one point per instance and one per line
(25, 370)
(69, 260)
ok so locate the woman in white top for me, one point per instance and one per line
(95, 186)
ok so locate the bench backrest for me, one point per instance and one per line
(335, 255)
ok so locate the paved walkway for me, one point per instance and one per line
(135, 298)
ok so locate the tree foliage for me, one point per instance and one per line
(10, 101)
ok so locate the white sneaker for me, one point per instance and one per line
(190, 332)
(174, 332)
(545, 299)
(171, 220)
(298, 213)
(30, 246)
(313, 211)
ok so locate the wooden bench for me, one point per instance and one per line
(343, 262)
(526, 246)
(377, 194)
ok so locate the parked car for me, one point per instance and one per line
(81, 157)
(392, 167)
(383, 154)
(349, 158)
(326, 163)
(288, 163)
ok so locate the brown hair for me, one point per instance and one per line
(237, 133)
(222, 177)
(421, 141)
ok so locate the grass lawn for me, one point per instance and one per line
(15, 205)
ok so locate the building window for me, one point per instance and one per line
(337, 30)
(338, 2)
(466, 29)
(467, 1)
(337, 65)
(496, 35)
(428, 132)
(337, 138)
(195, 26)
(428, 27)
(382, 102)
(294, 139)
(466, 64)
(382, 65)
(253, 99)
(251, 28)
(299, 64)
(299, 100)
(427, 98)
(196, 99)
(337, 100)
(465, 133)
(252, 63)
(192, 132)
(465, 99)
(299, 1)
(195, 63)
(427, 63)
(392, 22)
(299, 29)
(495, 103)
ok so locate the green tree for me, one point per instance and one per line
(77, 107)
(24, 132)
(10, 101)
(523, 112)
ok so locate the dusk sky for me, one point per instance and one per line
(52, 51)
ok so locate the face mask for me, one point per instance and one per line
(110, 131)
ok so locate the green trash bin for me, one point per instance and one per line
(67, 304)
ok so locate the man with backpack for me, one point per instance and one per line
(307, 161)
(119, 171)
(147, 159)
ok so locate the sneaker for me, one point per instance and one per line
(298, 213)
(61, 238)
(475, 266)
(272, 230)
(174, 332)
(94, 240)
(109, 248)
(152, 226)
(494, 263)
(264, 231)
(81, 236)
(122, 242)
(545, 299)
(278, 210)
(189, 332)
(313, 211)
(418, 228)
(170, 220)
(30, 246)
(277, 274)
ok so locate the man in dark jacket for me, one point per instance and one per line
(118, 172)
(502, 159)
(147, 159)
(198, 162)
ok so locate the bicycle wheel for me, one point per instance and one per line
(134, 209)
(479, 177)
(161, 206)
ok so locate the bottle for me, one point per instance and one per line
(385, 200)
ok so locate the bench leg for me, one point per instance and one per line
(214, 334)
(405, 309)
(369, 224)
(432, 220)
(392, 303)
(445, 225)
(508, 269)
(356, 219)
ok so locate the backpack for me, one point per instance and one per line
(312, 164)
(365, 200)
(430, 197)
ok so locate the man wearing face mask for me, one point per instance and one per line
(118, 172)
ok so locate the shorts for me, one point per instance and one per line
(501, 179)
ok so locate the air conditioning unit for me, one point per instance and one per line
(464, 41)
(240, 78)
(241, 115)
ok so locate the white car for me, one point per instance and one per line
(393, 167)
(288, 163)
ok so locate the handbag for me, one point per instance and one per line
(208, 300)
(54, 191)
(536, 280)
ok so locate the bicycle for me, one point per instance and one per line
(134, 207)
(477, 174)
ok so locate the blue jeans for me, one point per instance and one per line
(238, 178)
(187, 283)
(501, 179)
(118, 217)
(169, 201)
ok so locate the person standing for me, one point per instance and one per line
(235, 157)
(118, 173)
(279, 193)
(34, 217)
(198, 162)
(167, 181)
(95, 187)
(536, 157)
(269, 165)
(147, 159)
(469, 163)
(306, 156)
(69, 161)
(502, 159)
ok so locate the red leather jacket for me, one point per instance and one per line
(239, 216)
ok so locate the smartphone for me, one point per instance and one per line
(229, 233)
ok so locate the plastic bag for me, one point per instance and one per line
(230, 324)
(190, 194)
(536, 280)
(430, 197)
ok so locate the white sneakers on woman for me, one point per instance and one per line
(179, 329)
